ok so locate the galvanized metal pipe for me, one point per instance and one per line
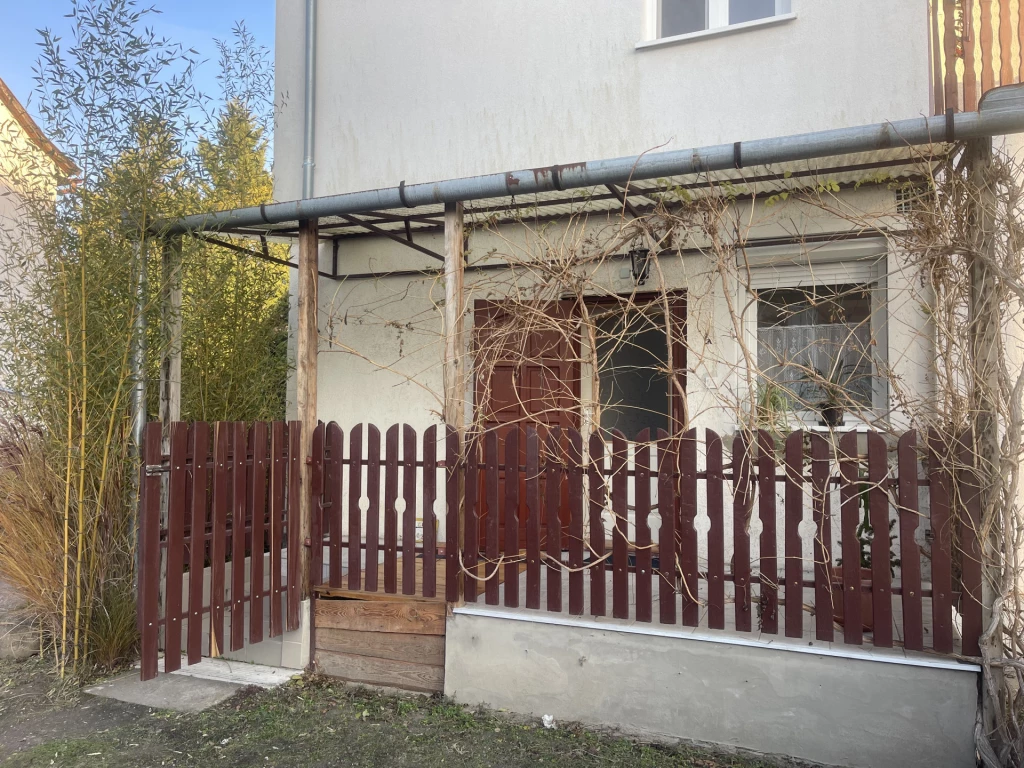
(309, 107)
(1001, 113)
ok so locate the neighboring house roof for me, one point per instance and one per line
(35, 133)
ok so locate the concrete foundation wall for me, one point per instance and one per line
(876, 711)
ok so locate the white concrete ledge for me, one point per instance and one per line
(704, 34)
(777, 643)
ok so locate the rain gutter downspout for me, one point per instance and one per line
(309, 104)
(1001, 112)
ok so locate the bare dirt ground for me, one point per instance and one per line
(310, 722)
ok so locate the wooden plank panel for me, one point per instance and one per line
(949, 43)
(642, 505)
(552, 519)
(491, 586)
(910, 553)
(239, 497)
(412, 617)
(355, 522)
(429, 518)
(988, 50)
(821, 510)
(878, 508)
(667, 575)
(1005, 43)
(426, 678)
(258, 493)
(409, 441)
(176, 503)
(218, 541)
(278, 481)
(316, 503)
(471, 507)
(512, 517)
(939, 487)
(849, 501)
(598, 494)
(335, 487)
(453, 571)
(769, 565)
(294, 527)
(742, 507)
(372, 581)
(419, 649)
(970, 518)
(390, 513)
(794, 547)
(574, 478)
(197, 550)
(149, 552)
(620, 534)
(532, 518)
(687, 532)
(970, 77)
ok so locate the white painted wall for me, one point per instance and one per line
(424, 90)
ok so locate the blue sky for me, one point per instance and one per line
(194, 23)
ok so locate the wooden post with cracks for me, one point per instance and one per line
(307, 344)
(454, 345)
(171, 326)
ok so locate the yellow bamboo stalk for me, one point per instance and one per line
(81, 471)
(67, 481)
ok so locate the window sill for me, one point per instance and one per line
(732, 29)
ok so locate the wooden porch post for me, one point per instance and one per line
(307, 343)
(171, 326)
(454, 346)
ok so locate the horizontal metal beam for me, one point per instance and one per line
(255, 254)
(1001, 112)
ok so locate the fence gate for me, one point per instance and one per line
(219, 557)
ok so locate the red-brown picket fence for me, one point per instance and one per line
(610, 527)
(193, 501)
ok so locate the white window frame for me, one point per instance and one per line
(717, 15)
(851, 262)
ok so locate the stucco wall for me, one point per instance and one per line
(434, 89)
(857, 713)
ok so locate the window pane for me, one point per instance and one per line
(681, 16)
(748, 10)
(632, 358)
(817, 339)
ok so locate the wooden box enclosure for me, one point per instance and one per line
(392, 642)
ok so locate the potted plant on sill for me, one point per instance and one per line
(835, 393)
(865, 536)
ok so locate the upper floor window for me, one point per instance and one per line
(682, 17)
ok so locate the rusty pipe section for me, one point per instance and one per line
(1001, 112)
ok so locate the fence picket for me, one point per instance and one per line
(574, 477)
(687, 532)
(176, 503)
(533, 512)
(278, 480)
(390, 513)
(336, 512)
(821, 510)
(939, 486)
(553, 475)
(218, 541)
(620, 531)
(197, 543)
(970, 519)
(598, 494)
(667, 574)
(355, 493)
(491, 520)
(849, 501)
(316, 504)
(372, 554)
(512, 517)
(768, 594)
(642, 505)
(409, 441)
(429, 518)
(294, 532)
(471, 514)
(239, 499)
(453, 571)
(794, 555)
(742, 506)
(258, 493)
(910, 553)
(149, 552)
(878, 505)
